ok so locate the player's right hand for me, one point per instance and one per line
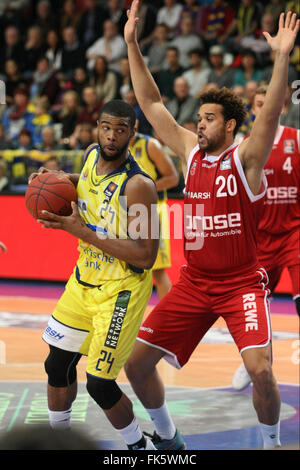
(130, 29)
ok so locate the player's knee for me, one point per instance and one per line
(141, 363)
(261, 374)
(60, 367)
(106, 393)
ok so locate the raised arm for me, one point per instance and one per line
(179, 139)
(254, 151)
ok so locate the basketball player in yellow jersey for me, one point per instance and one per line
(150, 156)
(101, 309)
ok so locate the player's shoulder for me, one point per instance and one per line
(140, 185)
(88, 150)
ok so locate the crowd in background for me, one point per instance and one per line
(62, 60)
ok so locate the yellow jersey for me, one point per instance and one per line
(102, 206)
(140, 152)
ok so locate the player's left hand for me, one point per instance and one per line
(287, 32)
(72, 224)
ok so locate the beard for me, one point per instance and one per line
(211, 145)
(120, 151)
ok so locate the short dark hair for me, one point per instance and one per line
(232, 105)
(119, 108)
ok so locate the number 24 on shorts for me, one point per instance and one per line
(105, 357)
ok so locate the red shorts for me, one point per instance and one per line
(278, 251)
(294, 272)
(181, 319)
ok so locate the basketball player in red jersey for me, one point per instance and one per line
(278, 236)
(225, 185)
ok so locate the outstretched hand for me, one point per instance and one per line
(130, 29)
(287, 32)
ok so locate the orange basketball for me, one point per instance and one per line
(49, 192)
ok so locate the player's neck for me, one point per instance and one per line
(219, 150)
(104, 167)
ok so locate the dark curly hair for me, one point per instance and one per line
(232, 106)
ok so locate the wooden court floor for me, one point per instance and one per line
(212, 365)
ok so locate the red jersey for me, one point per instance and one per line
(220, 214)
(279, 228)
(281, 211)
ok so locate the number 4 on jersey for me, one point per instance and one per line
(287, 166)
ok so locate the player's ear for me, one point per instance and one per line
(132, 132)
(230, 125)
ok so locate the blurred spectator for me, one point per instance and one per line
(90, 26)
(183, 106)
(80, 81)
(24, 141)
(221, 75)
(34, 49)
(16, 115)
(197, 75)
(72, 55)
(13, 79)
(156, 52)
(166, 77)
(4, 182)
(53, 49)
(104, 80)
(249, 92)
(267, 72)
(48, 141)
(248, 69)
(258, 43)
(68, 115)
(4, 144)
(169, 14)
(117, 13)
(244, 23)
(39, 119)
(143, 125)
(275, 7)
(290, 111)
(45, 17)
(216, 20)
(70, 15)
(293, 6)
(147, 21)
(239, 91)
(44, 81)
(125, 78)
(12, 48)
(186, 41)
(195, 11)
(90, 112)
(111, 45)
(83, 137)
(13, 12)
(65, 85)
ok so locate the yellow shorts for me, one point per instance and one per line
(100, 322)
(163, 259)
